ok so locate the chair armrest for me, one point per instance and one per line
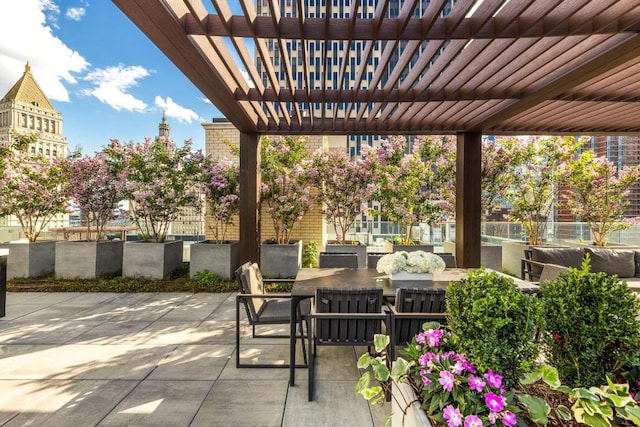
(526, 268)
(264, 296)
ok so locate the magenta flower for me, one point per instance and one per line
(476, 383)
(433, 337)
(493, 379)
(446, 380)
(494, 402)
(509, 418)
(472, 421)
(425, 380)
(452, 415)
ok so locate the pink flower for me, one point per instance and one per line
(446, 380)
(452, 415)
(476, 383)
(509, 418)
(493, 379)
(472, 421)
(494, 402)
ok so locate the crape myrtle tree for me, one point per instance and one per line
(596, 192)
(96, 188)
(286, 190)
(221, 179)
(160, 179)
(535, 185)
(344, 186)
(34, 189)
(413, 186)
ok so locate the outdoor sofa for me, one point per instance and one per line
(625, 263)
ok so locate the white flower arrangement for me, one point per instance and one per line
(411, 262)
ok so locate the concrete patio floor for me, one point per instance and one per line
(159, 359)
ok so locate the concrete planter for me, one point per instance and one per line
(30, 259)
(151, 260)
(223, 259)
(490, 254)
(512, 254)
(280, 261)
(392, 247)
(406, 279)
(406, 408)
(88, 260)
(359, 249)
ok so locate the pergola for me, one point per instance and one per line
(485, 67)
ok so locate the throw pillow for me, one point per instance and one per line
(613, 261)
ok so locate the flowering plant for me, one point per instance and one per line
(416, 187)
(222, 192)
(159, 181)
(598, 193)
(344, 185)
(285, 183)
(96, 189)
(411, 262)
(34, 189)
(452, 392)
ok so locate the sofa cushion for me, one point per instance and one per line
(613, 261)
(637, 259)
(568, 257)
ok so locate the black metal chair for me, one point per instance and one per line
(344, 317)
(448, 258)
(413, 307)
(338, 260)
(265, 309)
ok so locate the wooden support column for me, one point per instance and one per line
(468, 199)
(249, 197)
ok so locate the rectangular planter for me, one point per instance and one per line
(392, 247)
(280, 261)
(359, 249)
(88, 260)
(151, 260)
(403, 278)
(223, 259)
(405, 407)
(30, 259)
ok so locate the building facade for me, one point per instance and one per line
(26, 109)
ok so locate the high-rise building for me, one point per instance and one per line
(26, 109)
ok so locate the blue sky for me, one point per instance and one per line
(98, 69)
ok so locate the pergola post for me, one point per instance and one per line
(468, 199)
(249, 197)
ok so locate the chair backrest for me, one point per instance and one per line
(449, 259)
(551, 272)
(251, 283)
(346, 331)
(338, 260)
(427, 304)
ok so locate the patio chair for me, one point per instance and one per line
(413, 307)
(338, 260)
(448, 258)
(344, 317)
(265, 309)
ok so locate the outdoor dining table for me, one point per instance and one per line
(309, 279)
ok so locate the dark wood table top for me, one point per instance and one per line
(309, 279)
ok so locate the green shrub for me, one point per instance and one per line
(590, 328)
(494, 323)
(310, 254)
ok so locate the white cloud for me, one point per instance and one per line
(176, 111)
(75, 13)
(53, 63)
(112, 83)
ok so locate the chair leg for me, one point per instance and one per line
(302, 339)
(311, 362)
(237, 333)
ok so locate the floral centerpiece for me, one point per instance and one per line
(410, 262)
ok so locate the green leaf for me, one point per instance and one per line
(531, 377)
(564, 413)
(381, 372)
(550, 376)
(620, 401)
(400, 369)
(372, 392)
(583, 393)
(363, 383)
(364, 361)
(633, 413)
(537, 407)
(595, 420)
(381, 342)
